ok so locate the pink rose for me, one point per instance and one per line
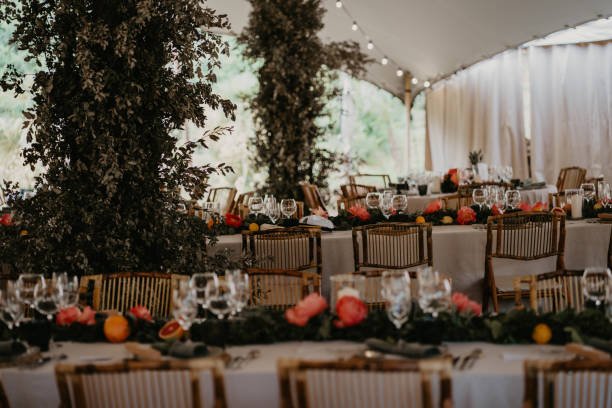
(351, 311)
(466, 216)
(361, 213)
(142, 313)
(539, 206)
(433, 207)
(524, 207)
(296, 319)
(474, 307)
(87, 317)
(312, 305)
(67, 316)
(464, 304)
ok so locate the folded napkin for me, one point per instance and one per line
(318, 221)
(182, 349)
(404, 349)
(10, 348)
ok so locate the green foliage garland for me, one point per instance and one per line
(295, 75)
(115, 80)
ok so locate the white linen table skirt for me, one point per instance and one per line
(496, 380)
(459, 252)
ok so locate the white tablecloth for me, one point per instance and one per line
(496, 380)
(459, 252)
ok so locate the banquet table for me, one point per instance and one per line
(459, 252)
(496, 379)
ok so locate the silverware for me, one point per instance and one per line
(240, 361)
(469, 360)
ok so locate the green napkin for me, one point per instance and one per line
(11, 348)
(404, 349)
(182, 349)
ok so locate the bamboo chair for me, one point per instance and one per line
(288, 267)
(570, 177)
(551, 292)
(354, 195)
(241, 204)
(522, 236)
(124, 290)
(556, 200)
(574, 383)
(379, 180)
(224, 196)
(312, 196)
(133, 383)
(361, 383)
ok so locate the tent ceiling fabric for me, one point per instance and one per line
(434, 38)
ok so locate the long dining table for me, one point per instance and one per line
(459, 252)
(495, 379)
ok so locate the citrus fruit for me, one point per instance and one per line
(171, 331)
(116, 329)
(253, 227)
(447, 220)
(541, 333)
(420, 219)
(210, 223)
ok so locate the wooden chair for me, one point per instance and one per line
(288, 267)
(570, 177)
(359, 382)
(241, 203)
(134, 383)
(122, 291)
(556, 200)
(354, 195)
(572, 383)
(379, 180)
(224, 196)
(551, 292)
(312, 196)
(522, 236)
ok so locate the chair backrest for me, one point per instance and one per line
(572, 383)
(124, 290)
(224, 196)
(288, 265)
(378, 180)
(570, 177)
(393, 245)
(356, 190)
(553, 291)
(312, 196)
(362, 383)
(556, 200)
(133, 383)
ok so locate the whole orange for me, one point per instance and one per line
(116, 329)
(420, 219)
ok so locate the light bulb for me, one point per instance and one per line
(370, 45)
(399, 72)
(354, 26)
(426, 84)
(414, 81)
(384, 61)
(339, 4)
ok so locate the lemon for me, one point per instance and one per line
(447, 219)
(541, 333)
(253, 227)
(420, 219)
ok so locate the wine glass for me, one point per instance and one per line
(256, 204)
(434, 292)
(386, 206)
(25, 286)
(500, 200)
(220, 295)
(241, 285)
(513, 199)
(48, 297)
(399, 202)
(184, 305)
(595, 281)
(274, 212)
(70, 290)
(197, 283)
(396, 292)
(491, 193)
(588, 191)
(479, 196)
(605, 195)
(373, 200)
(288, 207)
(11, 307)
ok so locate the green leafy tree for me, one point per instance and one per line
(296, 72)
(115, 80)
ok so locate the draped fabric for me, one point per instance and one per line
(571, 109)
(479, 108)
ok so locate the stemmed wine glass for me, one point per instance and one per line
(434, 292)
(513, 199)
(274, 212)
(373, 200)
(588, 191)
(256, 204)
(48, 298)
(184, 305)
(491, 193)
(197, 283)
(500, 200)
(399, 202)
(396, 292)
(25, 286)
(220, 295)
(240, 281)
(288, 207)
(605, 195)
(595, 282)
(70, 290)
(479, 196)
(11, 307)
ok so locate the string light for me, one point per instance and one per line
(339, 4)
(384, 60)
(426, 84)
(414, 81)
(399, 72)
(354, 27)
(370, 45)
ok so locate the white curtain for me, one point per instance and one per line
(571, 109)
(479, 108)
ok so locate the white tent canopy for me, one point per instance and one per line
(434, 38)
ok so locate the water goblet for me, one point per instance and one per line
(197, 283)
(595, 281)
(513, 199)
(70, 289)
(491, 193)
(479, 196)
(588, 191)
(605, 194)
(373, 200)
(240, 281)
(434, 292)
(396, 292)
(25, 286)
(220, 295)
(288, 207)
(274, 212)
(256, 204)
(399, 202)
(11, 307)
(184, 305)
